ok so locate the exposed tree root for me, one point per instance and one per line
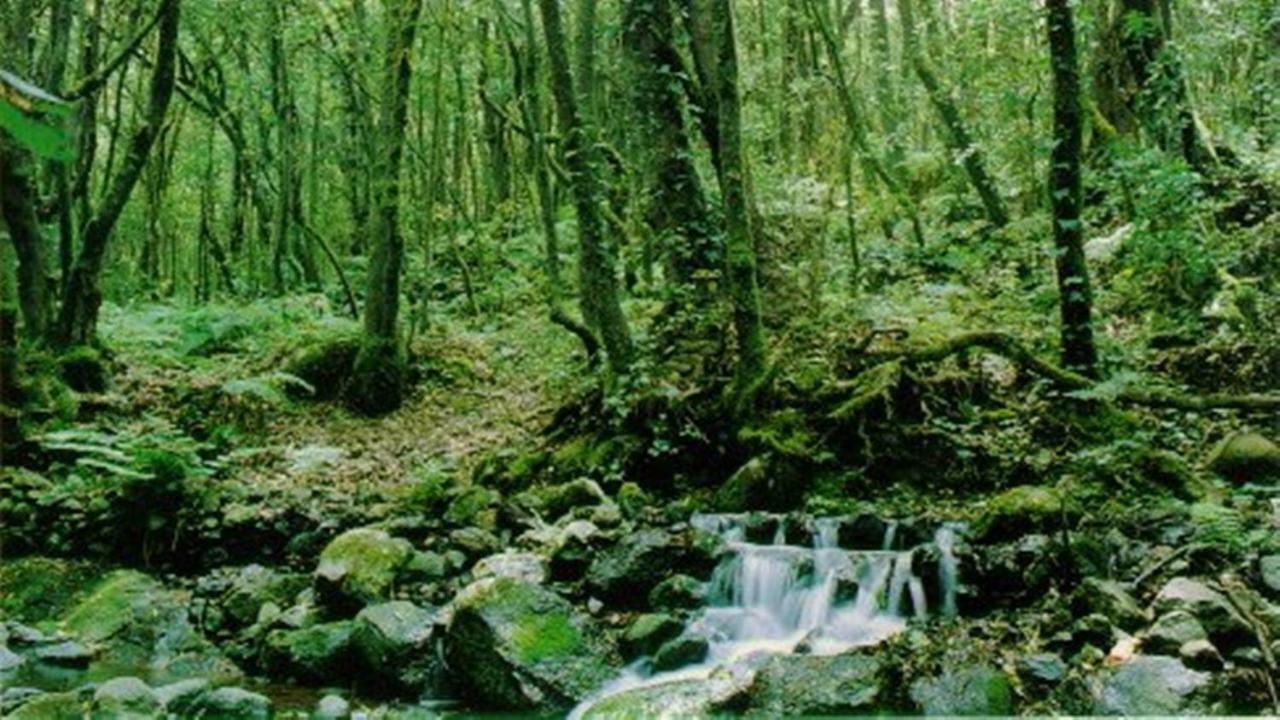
(1010, 347)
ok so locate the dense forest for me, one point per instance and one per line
(639, 358)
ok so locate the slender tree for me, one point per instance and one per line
(601, 306)
(739, 241)
(377, 384)
(78, 319)
(1074, 294)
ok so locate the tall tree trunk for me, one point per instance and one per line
(18, 210)
(676, 206)
(601, 306)
(78, 320)
(739, 241)
(1074, 294)
(377, 384)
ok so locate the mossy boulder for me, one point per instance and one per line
(125, 697)
(678, 592)
(965, 690)
(1246, 457)
(83, 369)
(680, 652)
(233, 702)
(133, 620)
(394, 643)
(517, 646)
(766, 482)
(360, 567)
(35, 589)
(1226, 628)
(723, 691)
(325, 366)
(53, 706)
(808, 685)
(1110, 599)
(560, 499)
(625, 574)
(649, 632)
(254, 586)
(474, 505)
(1151, 685)
(316, 654)
(1020, 511)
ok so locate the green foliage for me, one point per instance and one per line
(1224, 528)
(83, 369)
(130, 492)
(378, 381)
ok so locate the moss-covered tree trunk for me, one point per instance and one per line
(78, 319)
(1075, 296)
(377, 379)
(18, 211)
(601, 306)
(676, 207)
(739, 243)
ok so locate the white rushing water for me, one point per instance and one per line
(818, 599)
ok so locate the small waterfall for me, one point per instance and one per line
(822, 599)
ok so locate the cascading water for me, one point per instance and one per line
(819, 599)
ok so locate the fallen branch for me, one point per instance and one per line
(1010, 347)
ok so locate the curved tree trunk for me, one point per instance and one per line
(78, 320)
(599, 285)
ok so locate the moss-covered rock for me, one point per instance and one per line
(125, 697)
(394, 643)
(680, 652)
(519, 646)
(1111, 600)
(560, 499)
(474, 505)
(83, 369)
(1152, 686)
(1246, 457)
(723, 691)
(53, 706)
(967, 690)
(233, 702)
(134, 621)
(626, 573)
(316, 654)
(35, 589)
(360, 567)
(325, 366)
(649, 632)
(766, 482)
(255, 586)
(678, 592)
(1019, 511)
(808, 685)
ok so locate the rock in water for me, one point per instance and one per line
(972, 690)
(1148, 685)
(809, 685)
(1246, 457)
(360, 567)
(518, 646)
(315, 654)
(678, 653)
(125, 697)
(255, 586)
(626, 573)
(394, 643)
(648, 633)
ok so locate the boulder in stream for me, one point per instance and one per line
(850, 684)
(360, 567)
(518, 646)
(125, 697)
(394, 643)
(1019, 511)
(965, 690)
(625, 574)
(313, 654)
